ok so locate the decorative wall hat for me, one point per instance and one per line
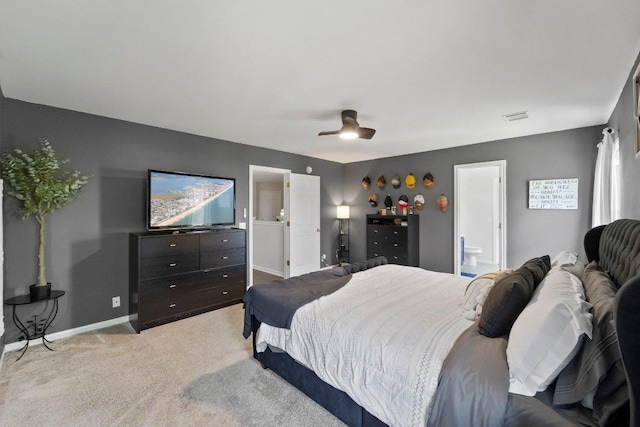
(373, 200)
(427, 180)
(403, 202)
(381, 182)
(396, 181)
(410, 181)
(387, 201)
(366, 182)
(443, 202)
(418, 202)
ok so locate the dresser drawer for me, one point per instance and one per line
(222, 258)
(167, 287)
(397, 257)
(168, 245)
(188, 298)
(397, 232)
(376, 242)
(395, 242)
(401, 258)
(169, 265)
(386, 230)
(234, 275)
(169, 307)
(226, 293)
(222, 240)
(377, 230)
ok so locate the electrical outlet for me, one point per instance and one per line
(115, 302)
(324, 257)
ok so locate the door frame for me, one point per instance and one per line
(502, 211)
(252, 169)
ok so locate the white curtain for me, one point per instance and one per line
(607, 182)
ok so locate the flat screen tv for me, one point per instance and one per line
(189, 201)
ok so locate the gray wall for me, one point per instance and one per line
(567, 154)
(87, 242)
(622, 120)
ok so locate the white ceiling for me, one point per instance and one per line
(425, 74)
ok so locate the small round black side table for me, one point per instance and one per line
(34, 329)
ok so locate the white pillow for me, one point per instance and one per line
(564, 258)
(477, 291)
(548, 333)
(568, 261)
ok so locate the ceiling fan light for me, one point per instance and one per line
(348, 134)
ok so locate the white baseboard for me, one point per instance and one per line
(69, 332)
(268, 270)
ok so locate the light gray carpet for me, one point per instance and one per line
(194, 372)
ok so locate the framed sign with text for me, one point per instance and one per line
(553, 193)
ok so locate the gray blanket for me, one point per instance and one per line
(474, 391)
(276, 302)
(474, 382)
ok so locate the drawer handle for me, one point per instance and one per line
(173, 264)
(395, 257)
(225, 240)
(225, 257)
(172, 286)
(224, 276)
(395, 232)
(173, 245)
(171, 305)
(224, 292)
(375, 231)
(375, 243)
(396, 245)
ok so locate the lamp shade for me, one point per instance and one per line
(342, 212)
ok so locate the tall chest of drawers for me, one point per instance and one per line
(395, 237)
(172, 276)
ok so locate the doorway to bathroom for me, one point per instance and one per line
(480, 228)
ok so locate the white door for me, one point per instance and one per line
(480, 217)
(302, 224)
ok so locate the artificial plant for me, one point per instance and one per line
(40, 183)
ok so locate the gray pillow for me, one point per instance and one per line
(539, 267)
(596, 373)
(506, 300)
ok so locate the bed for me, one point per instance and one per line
(379, 344)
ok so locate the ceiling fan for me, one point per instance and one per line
(350, 127)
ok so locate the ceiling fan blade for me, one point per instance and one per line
(366, 133)
(329, 132)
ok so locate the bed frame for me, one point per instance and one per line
(616, 247)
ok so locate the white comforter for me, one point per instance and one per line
(381, 339)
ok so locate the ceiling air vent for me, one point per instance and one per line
(520, 115)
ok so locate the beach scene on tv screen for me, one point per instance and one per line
(189, 201)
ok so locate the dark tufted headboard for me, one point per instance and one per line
(616, 248)
(619, 250)
(364, 265)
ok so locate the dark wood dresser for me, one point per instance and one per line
(395, 237)
(172, 276)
